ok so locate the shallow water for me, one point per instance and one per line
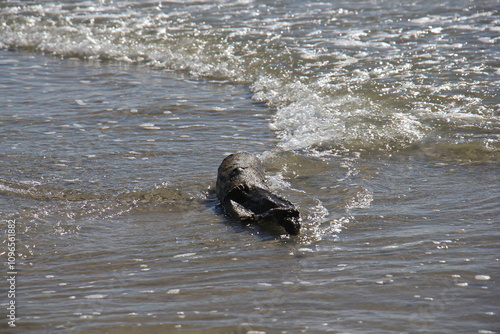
(379, 121)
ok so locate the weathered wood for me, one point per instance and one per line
(245, 195)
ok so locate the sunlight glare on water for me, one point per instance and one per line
(378, 120)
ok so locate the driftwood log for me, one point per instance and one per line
(245, 195)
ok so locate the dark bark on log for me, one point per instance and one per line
(244, 194)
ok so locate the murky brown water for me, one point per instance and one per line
(385, 137)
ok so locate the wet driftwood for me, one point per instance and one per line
(245, 195)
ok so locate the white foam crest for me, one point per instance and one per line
(316, 80)
(343, 123)
(131, 36)
(305, 124)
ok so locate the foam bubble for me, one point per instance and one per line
(95, 296)
(184, 255)
(149, 126)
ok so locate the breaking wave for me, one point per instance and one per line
(335, 86)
